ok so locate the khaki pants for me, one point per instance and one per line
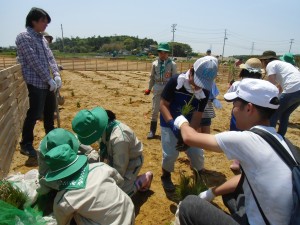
(157, 90)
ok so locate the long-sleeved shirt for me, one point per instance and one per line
(157, 77)
(100, 202)
(36, 58)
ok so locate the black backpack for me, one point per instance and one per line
(292, 164)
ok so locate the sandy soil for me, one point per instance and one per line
(122, 92)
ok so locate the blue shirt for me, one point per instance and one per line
(178, 98)
(36, 58)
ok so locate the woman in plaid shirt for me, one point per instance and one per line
(38, 63)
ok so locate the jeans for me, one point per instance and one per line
(194, 210)
(170, 154)
(288, 103)
(41, 102)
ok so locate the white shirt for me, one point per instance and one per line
(286, 75)
(269, 176)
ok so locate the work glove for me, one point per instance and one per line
(217, 104)
(58, 81)
(174, 129)
(147, 92)
(179, 121)
(53, 85)
(207, 195)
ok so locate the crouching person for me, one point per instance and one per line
(88, 193)
(267, 188)
(118, 144)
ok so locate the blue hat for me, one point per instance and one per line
(206, 69)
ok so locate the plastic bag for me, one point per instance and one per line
(10, 215)
(27, 183)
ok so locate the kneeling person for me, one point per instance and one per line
(88, 192)
(118, 144)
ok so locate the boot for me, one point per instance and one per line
(153, 126)
(167, 181)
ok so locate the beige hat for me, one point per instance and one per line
(252, 64)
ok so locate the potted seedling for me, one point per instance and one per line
(190, 185)
(12, 195)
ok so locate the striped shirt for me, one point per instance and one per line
(36, 58)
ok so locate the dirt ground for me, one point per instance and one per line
(122, 92)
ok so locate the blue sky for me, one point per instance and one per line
(263, 24)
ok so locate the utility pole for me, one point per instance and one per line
(62, 37)
(252, 48)
(291, 42)
(173, 31)
(225, 38)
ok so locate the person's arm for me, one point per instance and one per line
(121, 157)
(152, 77)
(174, 68)
(192, 138)
(165, 110)
(52, 62)
(24, 47)
(272, 79)
(228, 187)
(62, 210)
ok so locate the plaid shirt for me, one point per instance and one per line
(35, 58)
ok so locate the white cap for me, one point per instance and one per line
(256, 91)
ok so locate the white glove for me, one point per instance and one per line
(217, 104)
(179, 121)
(58, 81)
(207, 195)
(53, 85)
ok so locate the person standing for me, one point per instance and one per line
(37, 63)
(162, 70)
(287, 77)
(192, 87)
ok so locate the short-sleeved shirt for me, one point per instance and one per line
(285, 74)
(269, 176)
(178, 98)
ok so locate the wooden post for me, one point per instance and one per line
(106, 66)
(73, 63)
(4, 62)
(137, 65)
(85, 65)
(127, 65)
(96, 64)
(117, 65)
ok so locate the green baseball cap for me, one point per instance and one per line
(89, 125)
(63, 162)
(58, 137)
(163, 46)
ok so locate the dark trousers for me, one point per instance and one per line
(196, 211)
(41, 102)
